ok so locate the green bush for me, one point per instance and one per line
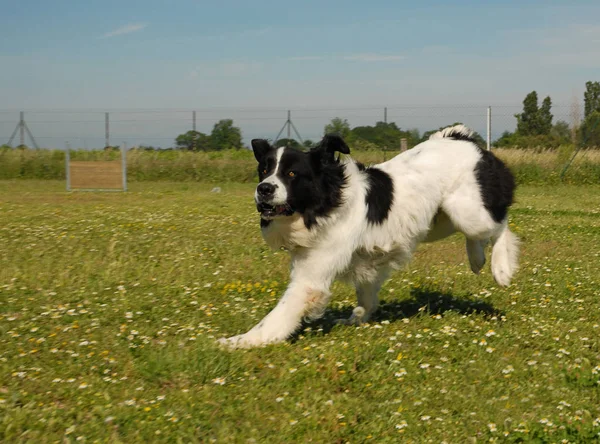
(529, 165)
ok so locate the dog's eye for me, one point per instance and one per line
(291, 174)
(265, 171)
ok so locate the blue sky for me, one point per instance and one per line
(280, 54)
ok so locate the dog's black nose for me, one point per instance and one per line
(266, 189)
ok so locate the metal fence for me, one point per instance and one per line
(93, 129)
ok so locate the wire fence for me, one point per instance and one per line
(94, 129)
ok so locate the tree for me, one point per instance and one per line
(590, 130)
(292, 143)
(193, 141)
(338, 126)
(308, 143)
(148, 148)
(382, 135)
(545, 116)
(415, 135)
(527, 120)
(591, 98)
(561, 132)
(534, 121)
(507, 139)
(225, 136)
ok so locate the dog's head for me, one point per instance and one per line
(294, 181)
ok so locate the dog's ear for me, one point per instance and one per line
(332, 143)
(328, 146)
(260, 148)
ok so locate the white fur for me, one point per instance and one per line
(435, 181)
(456, 129)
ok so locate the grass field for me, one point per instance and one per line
(110, 305)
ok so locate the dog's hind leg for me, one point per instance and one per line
(505, 255)
(367, 298)
(476, 253)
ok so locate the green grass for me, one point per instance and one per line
(110, 305)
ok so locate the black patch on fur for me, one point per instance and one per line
(361, 166)
(260, 148)
(266, 164)
(437, 216)
(264, 223)
(332, 143)
(496, 183)
(458, 135)
(380, 195)
(313, 180)
(326, 190)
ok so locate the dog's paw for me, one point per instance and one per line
(239, 341)
(344, 321)
(359, 316)
(232, 342)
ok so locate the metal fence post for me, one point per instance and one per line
(194, 135)
(22, 127)
(67, 168)
(489, 128)
(124, 164)
(106, 131)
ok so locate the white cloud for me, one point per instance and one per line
(126, 29)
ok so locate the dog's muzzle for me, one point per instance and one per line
(268, 211)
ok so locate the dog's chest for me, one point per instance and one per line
(288, 233)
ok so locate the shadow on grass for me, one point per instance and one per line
(430, 302)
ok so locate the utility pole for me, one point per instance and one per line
(106, 131)
(385, 114)
(194, 128)
(22, 128)
(489, 128)
(290, 125)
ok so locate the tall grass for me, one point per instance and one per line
(531, 166)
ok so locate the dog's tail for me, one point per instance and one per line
(505, 255)
(456, 132)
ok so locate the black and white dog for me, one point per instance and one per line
(340, 219)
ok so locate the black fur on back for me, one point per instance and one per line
(380, 194)
(496, 183)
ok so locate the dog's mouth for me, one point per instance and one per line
(270, 211)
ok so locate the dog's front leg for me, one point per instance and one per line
(306, 297)
(284, 319)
